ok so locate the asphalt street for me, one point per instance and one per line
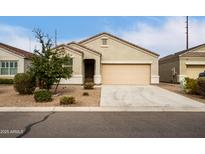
(102, 124)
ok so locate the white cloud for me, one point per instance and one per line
(166, 38)
(65, 41)
(17, 36)
(163, 37)
(23, 38)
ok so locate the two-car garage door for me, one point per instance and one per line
(194, 70)
(126, 74)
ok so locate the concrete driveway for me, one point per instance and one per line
(152, 96)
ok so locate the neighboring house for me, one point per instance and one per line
(107, 59)
(12, 61)
(186, 63)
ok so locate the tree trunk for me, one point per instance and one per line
(40, 84)
(57, 86)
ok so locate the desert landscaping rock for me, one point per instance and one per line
(177, 89)
(10, 98)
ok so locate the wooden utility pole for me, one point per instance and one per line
(55, 37)
(187, 32)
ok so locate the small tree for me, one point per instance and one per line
(48, 65)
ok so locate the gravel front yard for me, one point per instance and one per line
(177, 89)
(8, 97)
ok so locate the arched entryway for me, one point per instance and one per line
(89, 70)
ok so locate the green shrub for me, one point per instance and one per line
(42, 96)
(24, 83)
(85, 94)
(88, 85)
(6, 81)
(190, 86)
(201, 86)
(66, 100)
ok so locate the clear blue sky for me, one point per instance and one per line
(142, 30)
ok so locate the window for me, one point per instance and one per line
(69, 63)
(13, 68)
(104, 41)
(8, 67)
(173, 70)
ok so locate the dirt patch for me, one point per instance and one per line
(8, 97)
(177, 89)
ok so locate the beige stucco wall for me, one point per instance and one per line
(6, 55)
(165, 70)
(27, 63)
(90, 55)
(184, 60)
(190, 61)
(77, 61)
(77, 77)
(118, 51)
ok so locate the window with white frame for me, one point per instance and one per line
(8, 67)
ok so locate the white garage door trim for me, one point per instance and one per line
(195, 63)
(138, 74)
(127, 62)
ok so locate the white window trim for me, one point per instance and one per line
(104, 46)
(9, 68)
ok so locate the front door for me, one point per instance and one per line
(89, 65)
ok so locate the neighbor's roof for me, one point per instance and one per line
(194, 54)
(16, 51)
(186, 53)
(104, 33)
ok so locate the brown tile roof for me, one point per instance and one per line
(194, 54)
(15, 50)
(185, 53)
(118, 39)
(84, 47)
(168, 57)
(195, 47)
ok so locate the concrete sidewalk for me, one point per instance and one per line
(103, 109)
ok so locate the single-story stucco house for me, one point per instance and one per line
(186, 63)
(12, 61)
(107, 59)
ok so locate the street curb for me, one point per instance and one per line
(102, 109)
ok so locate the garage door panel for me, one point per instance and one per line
(194, 70)
(126, 74)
